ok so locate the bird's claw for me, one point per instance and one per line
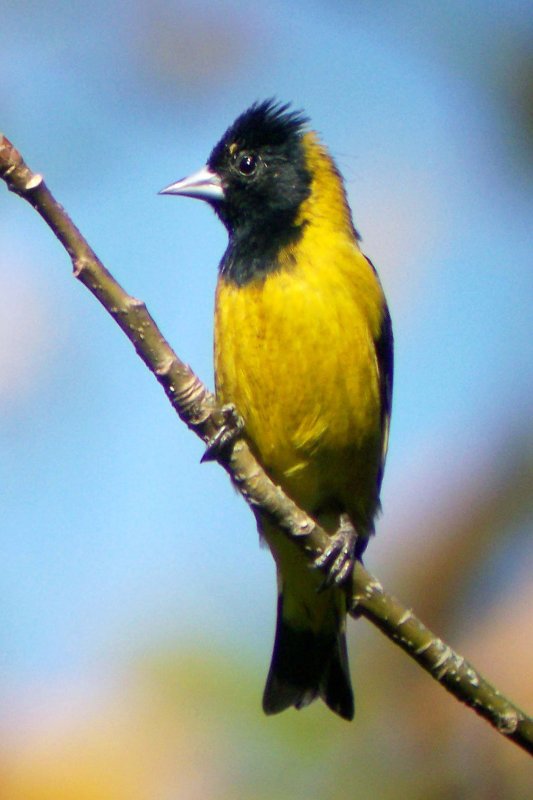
(231, 429)
(338, 559)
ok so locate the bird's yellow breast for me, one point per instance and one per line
(295, 353)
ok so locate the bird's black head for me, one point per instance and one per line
(260, 161)
(256, 180)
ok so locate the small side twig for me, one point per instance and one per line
(197, 407)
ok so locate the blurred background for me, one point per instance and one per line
(137, 610)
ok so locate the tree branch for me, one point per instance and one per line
(197, 407)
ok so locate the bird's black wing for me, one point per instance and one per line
(385, 359)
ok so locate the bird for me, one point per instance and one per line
(303, 350)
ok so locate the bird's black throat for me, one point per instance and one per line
(253, 253)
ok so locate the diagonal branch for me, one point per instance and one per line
(197, 407)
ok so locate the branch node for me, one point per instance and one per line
(35, 181)
(136, 305)
(79, 265)
(406, 616)
(422, 649)
(472, 677)
(508, 722)
(164, 369)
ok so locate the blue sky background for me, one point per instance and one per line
(112, 535)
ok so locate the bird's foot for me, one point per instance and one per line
(231, 429)
(338, 559)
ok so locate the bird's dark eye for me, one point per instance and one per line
(246, 163)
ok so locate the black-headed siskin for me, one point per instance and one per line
(304, 350)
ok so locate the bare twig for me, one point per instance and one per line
(197, 407)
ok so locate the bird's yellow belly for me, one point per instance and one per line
(297, 359)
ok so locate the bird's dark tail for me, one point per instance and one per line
(306, 665)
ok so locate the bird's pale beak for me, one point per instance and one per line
(204, 184)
